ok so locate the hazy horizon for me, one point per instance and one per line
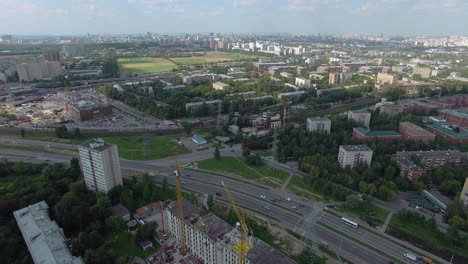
(371, 17)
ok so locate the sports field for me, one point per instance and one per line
(149, 65)
(145, 65)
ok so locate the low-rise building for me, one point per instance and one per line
(353, 155)
(386, 78)
(286, 74)
(339, 77)
(449, 133)
(413, 164)
(391, 109)
(424, 72)
(292, 94)
(199, 140)
(121, 211)
(364, 134)
(303, 82)
(199, 77)
(319, 124)
(454, 117)
(220, 86)
(86, 110)
(413, 132)
(43, 237)
(360, 116)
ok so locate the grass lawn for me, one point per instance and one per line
(299, 187)
(130, 147)
(376, 214)
(145, 65)
(263, 173)
(429, 239)
(122, 244)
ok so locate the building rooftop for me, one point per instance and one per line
(120, 210)
(360, 111)
(200, 103)
(221, 84)
(43, 237)
(319, 118)
(448, 131)
(355, 148)
(218, 230)
(97, 144)
(376, 133)
(453, 112)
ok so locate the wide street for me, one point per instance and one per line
(247, 194)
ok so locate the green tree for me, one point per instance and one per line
(22, 132)
(353, 201)
(217, 154)
(146, 231)
(115, 223)
(110, 68)
(210, 202)
(76, 133)
(457, 221)
(187, 127)
(61, 132)
(385, 193)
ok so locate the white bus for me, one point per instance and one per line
(349, 222)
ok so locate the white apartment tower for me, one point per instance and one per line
(318, 124)
(362, 117)
(352, 155)
(100, 165)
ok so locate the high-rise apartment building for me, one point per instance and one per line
(100, 165)
(29, 72)
(318, 124)
(353, 155)
(339, 77)
(51, 56)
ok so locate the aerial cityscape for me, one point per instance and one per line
(234, 132)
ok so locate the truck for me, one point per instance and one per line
(410, 256)
(425, 259)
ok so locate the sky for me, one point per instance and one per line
(388, 17)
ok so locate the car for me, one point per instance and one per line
(218, 194)
(187, 175)
(294, 207)
(288, 199)
(273, 200)
(301, 206)
(232, 150)
(267, 208)
(262, 196)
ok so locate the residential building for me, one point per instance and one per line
(413, 132)
(364, 134)
(194, 106)
(339, 77)
(386, 78)
(34, 71)
(360, 116)
(43, 237)
(449, 133)
(51, 56)
(234, 129)
(391, 109)
(100, 165)
(424, 72)
(319, 124)
(353, 155)
(290, 94)
(310, 61)
(327, 90)
(303, 82)
(220, 86)
(214, 241)
(300, 70)
(413, 164)
(199, 77)
(464, 193)
(296, 88)
(399, 69)
(264, 66)
(286, 74)
(454, 117)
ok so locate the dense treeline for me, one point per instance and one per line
(30, 184)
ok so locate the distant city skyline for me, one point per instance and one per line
(388, 17)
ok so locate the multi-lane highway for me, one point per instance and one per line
(248, 194)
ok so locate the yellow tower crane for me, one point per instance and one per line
(180, 213)
(245, 244)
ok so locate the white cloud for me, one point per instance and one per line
(30, 9)
(305, 5)
(381, 6)
(458, 7)
(238, 3)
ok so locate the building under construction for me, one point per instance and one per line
(214, 241)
